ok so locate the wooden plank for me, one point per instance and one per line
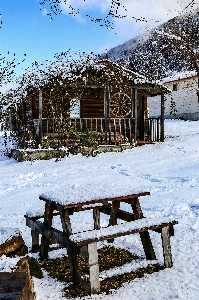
(50, 232)
(122, 198)
(144, 236)
(93, 268)
(114, 213)
(166, 247)
(65, 220)
(35, 240)
(45, 241)
(71, 251)
(108, 236)
(162, 118)
(130, 131)
(105, 114)
(132, 104)
(40, 116)
(124, 128)
(123, 215)
(135, 113)
(114, 124)
(41, 216)
(147, 245)
(137, 209)
(96, 217)
(73, 261)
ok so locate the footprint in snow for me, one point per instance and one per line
(148, 177)
(119, 169)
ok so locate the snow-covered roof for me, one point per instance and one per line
(73, 72)
(153, 87)
(179, 76)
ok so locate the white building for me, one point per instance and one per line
(182, 102)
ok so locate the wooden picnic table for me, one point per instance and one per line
(65, 203)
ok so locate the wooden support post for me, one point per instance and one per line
(144, 236)
(137, 209)
(73, 261)
(105, 115)
(166, 247)
(65, 220)
(135, 113)
(35, 240)
(40, 117)
(108, 113)
(93, 268)
(114, 215)
(11, 122)
(162, 118)
(96, 217)
(132, 104)
(147, 245)
(71, 251)
(48, 216)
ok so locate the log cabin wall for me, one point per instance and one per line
(92, 104)
(52, 104)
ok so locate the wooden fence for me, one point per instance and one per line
(111, 130)
(153, 129)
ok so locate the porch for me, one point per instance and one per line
(110, 131)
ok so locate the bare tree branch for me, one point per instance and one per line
(114, 12)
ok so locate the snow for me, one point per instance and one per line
(120, 228)
(169, 170)
(6, 233)
(90, 192)
(179, 75)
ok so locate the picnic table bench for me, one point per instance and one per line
(66, 202)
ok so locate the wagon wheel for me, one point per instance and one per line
(120, 105)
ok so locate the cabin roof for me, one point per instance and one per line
(180, 76)
(86, 74)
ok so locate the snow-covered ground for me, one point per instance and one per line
(169, 170)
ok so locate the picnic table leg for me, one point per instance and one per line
(114, 215)
(166, 247)
(96, 217)
(73, 261)
(35, 240)
(71, 251)
(145, 237)
(48, 216)
(93, 268)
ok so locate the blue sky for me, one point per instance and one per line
(27, 29)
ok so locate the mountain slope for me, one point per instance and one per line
(169, 47)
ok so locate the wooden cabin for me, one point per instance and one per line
(104, 97)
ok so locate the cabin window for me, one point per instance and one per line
(175, 87)
(75, 108)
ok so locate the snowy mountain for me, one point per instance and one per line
(169, 47)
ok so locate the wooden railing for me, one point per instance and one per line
(153, 129)
(112, 130)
